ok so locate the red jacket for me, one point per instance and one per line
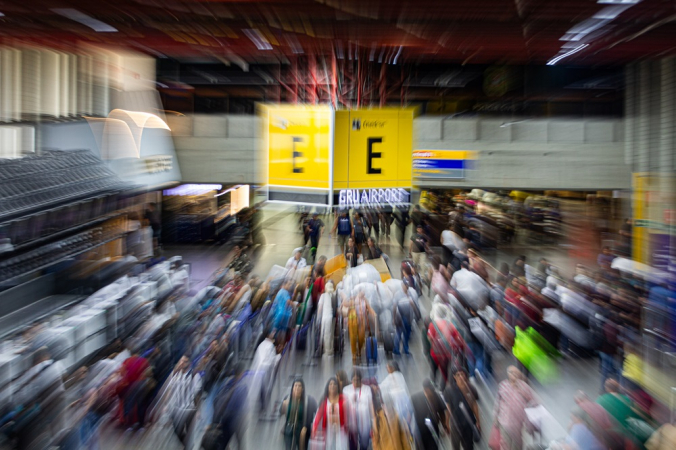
(322, 416)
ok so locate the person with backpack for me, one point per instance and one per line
(343, 225)
(315, 228)
(360, 230)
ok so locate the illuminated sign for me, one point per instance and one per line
(298, 143)
(354, 198)
(372, 148)
(450, 164)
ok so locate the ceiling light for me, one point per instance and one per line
(84, 19)
(618, 2)
(397, 55)
(2, 14)
(611, 12)
(258, 39)
(553, 61)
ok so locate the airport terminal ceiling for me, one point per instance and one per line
(400, 32)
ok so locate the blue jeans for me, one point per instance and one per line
(400, 332)
(609, 368)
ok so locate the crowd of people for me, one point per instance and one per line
(197, 354)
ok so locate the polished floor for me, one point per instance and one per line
(282, 236)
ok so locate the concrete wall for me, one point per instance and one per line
(536, 154)
(216, 148)
(533, 154)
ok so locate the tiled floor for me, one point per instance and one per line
(282, 236)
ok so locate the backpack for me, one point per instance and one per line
(344, 226)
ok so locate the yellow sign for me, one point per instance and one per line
(298, 142)
(373, 148)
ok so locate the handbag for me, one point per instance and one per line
(495, 438)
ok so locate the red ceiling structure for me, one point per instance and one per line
(393, 31)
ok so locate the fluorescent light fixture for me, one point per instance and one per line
(257, 38)
(84, 19)
(556, 59)
(396, 57)
(618, 2)
(229, 190)
(192, 189)
(2, 14)
(611, 12)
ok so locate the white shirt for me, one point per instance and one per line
(325, 307)
(37, 379)
(472, 287)
(396, 395)
(452, 240)
(360, 401)
(293, 263)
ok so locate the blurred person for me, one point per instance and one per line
(549, 291)
(302, 296)
(580, 437)
(229, 413)
(664, 438)
(240, 260)
(325, 314)
(263, 368)
(371, 251)
(343, 224)
(318, 281)
(39, 401)
(359, 399)
(431, 415)
(451, 242)
(417, 216)
(358, 313)
(132, 371)
(351, 253)
(282, 307)
(440, 283)
(395, 394)
(360, 230)
(509, 416)
(295, 263)
(153, 219)
(342, 378)
(427, 349)
(471, 287)
(389, 433)
(605, 258)
(330, 424)
(403, 220)
(626, 235)
(179, 398)
(608, 353)
(461, 398)
(405, 312)
(618, 405)
(417, 249)
(299, 409)
(600, 423)
(498, 290)
(315, 229)
(518, 268)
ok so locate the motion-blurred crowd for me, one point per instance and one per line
(187, 381)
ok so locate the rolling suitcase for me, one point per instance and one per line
(371, 350)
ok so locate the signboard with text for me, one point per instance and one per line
(451, 164)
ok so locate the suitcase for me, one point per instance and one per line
(371, 350)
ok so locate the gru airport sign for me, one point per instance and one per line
(345, 158)
(355, 198)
